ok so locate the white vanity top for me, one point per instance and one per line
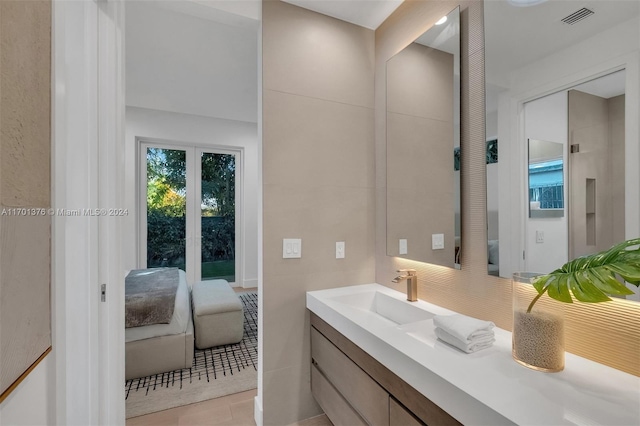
(486, 387)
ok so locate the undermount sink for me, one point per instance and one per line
(390, 308)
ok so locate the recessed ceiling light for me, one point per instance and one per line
(441, 20)
(525, 3)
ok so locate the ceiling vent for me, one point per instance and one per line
(577, 16)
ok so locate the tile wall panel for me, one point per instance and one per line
(318, 185)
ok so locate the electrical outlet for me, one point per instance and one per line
(340, 250)
(403, 246)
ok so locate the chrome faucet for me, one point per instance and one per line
(412, 282)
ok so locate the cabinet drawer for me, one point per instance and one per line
(400, 416)
(362, 392)
(333, 404)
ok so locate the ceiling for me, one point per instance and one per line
(365, 13)
(517, 36)
(188, 57)
(606, 87)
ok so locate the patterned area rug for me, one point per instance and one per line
(216, 372)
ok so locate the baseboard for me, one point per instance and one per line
(257, 411)
(252, 283)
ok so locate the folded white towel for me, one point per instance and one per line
(462, 327)
(475, 345)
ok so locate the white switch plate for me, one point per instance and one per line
(291, 248)
(340, 250)
(539, 237)
(437, 241)
(403, 246)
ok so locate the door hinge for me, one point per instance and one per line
(522, 254)
(103, 292)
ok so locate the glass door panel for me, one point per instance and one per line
(166, 207)
(218, 208)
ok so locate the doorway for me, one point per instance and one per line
(582, 175)
(191, 177)
(189, 210)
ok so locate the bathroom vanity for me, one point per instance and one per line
(376, 360)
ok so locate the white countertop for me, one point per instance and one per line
(487, 387)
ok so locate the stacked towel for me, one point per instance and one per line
(465, 333)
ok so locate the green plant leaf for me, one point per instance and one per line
(594, 277)
(560, 291)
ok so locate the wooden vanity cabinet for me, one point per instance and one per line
(353, 388)
(398, 415)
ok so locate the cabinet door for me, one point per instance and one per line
(334, 405)
(362, 392)
(400, 416)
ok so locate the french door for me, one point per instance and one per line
(190, 209)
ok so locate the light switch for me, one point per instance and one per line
(291, 248)
(437, 241)
(539, 237)
(340, 250)
(403, 246)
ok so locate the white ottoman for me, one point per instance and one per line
(218, 317)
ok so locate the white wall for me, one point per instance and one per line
(546, 119)
(31, 403)
(491, 130)
(201, 131)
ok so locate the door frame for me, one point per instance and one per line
(193, 240)
(87, 84)
(87, 61)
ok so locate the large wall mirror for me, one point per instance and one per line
(562, 105)
(423, 147)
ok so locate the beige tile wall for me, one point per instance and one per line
(589, 128)
(25, 156)
(318, 185)
(419, 136)
(607, 333)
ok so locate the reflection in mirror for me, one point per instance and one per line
(546, 179)
(552, 80)
(423, 138)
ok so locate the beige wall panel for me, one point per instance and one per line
(288, 391)
(420, 83)
(333, 59)
(320, 216)
(318, 185)
(589, 128)
(415, 157)
(25, 306)
(25, 181)
(287, 337)
(616, 342)
(336, 139)
(25, 105)
(404, 223)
